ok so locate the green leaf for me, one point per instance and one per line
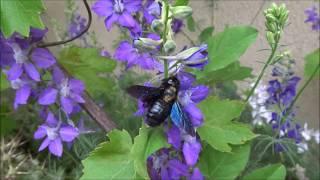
(226, 47)
(110, 160)
(191, 24)
(230, 73)
(4, 84)
(181, 2)
(87, 65)
(221, 165)
(205, 34)
(147, 142)
(312, 61)
(219, 130)
(271, 172)
(7, 122)
(19, 15)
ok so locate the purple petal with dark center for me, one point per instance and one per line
(76, 86)
(68, 133)
(67, 104)
(43, 58)
(44, 144)
(126, 20)
(103, 8)
(174, 137)
(110, 20)
(195, 114)
(40, 133)
(199, 93)
(15, 71)
(191, 152)
(22, 95)
(32, 71)
(196, 175)
(55, 147)
(48, 96)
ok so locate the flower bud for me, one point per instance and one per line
(146, 43)
(169, 46)
(157, 26)
(270, 37)
(181, 12)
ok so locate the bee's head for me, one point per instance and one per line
(172, 81)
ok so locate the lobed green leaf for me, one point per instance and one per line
(312, 60)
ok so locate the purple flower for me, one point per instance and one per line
(152, 11)
(196, 175)
(174, 137)
(177, 25)
(313, 18)
(69, 90)
(77, 24)
(126, 52)
(191, 150)
(23, 89)
(118, 11)
(54, 133)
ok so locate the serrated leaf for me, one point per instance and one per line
(4, 83)
(87, 65)
(227, 46)
(181, 2)
(19, 15)
(230, 73)
(191, 24)
(312, 61)
(222, 165)
(271, 172)
(110, 160)
(147, 142)
(206, 34)
(219, 130)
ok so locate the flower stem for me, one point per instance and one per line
(164, 36)
(273, 51)
(303, 87)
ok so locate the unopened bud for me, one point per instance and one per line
(169, 46)
(181, 12)
(146, 43)
(270, 37)
(157, 26)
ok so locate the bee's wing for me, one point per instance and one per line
(180, 119)
(146, 94)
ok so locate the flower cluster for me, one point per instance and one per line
(271, 105)
(34, 75)
(313, 18)
(151, 47)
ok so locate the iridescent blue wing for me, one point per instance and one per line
(180, 119)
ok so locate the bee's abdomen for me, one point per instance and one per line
(158, 112)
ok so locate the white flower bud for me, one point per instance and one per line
(181, 12)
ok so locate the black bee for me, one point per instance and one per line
(161, 102)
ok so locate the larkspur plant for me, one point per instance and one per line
(62, 91)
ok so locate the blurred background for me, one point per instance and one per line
(298, 37)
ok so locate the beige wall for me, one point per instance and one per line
(298, 36)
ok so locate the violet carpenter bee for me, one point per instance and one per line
(161, 102)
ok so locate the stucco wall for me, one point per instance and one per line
(298, 36)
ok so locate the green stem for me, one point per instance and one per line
(273, 51)
(164, 36)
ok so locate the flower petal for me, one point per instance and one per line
(51, 120)
(77, 98)
(76, 86)
(126, 20)
(58, 75)
(43, 58)
(32, 71)
(195, 114)
(68, 133)
(103, 8)
(40, 133)
(199, 93)
(55, 147)
(67, 104)
(110, 20)
(174, 137)
(196, 175)
(44, 144)
(48, 96)
(177, 169)
(15, 71)
(22, 95)
(191, 151)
